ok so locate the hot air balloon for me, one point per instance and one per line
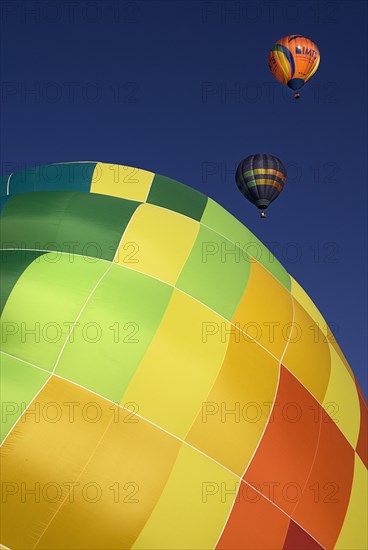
(146, 403)
(261, 178)
(293, 60)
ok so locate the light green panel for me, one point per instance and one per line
(216, 273)
(115, 330)
(44, 304)
(218, 219)
(19, 385)
(13, 263)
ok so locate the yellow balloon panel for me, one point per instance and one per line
(147, 245)
(341, 401)
(307, 355)
(355, 527)
(127, 182)
(234, 414)
(265, 311)
(179, 368)
(203, 493)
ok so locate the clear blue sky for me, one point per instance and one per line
(183, 89)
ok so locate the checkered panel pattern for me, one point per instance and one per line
(158, 358)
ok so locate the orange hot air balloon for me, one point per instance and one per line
(293, 60)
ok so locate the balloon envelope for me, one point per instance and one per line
(166, 384)
(293, 60)
(261, 178)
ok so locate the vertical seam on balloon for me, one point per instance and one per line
(278, 381)
(93, 173)
(266, 424)
(76, 480)
(8, 184)
(183, 441)
(149, 189)
(113, 261)
(313, 462)
(91, 294)
(78, 317)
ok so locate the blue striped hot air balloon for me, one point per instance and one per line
(261, 179)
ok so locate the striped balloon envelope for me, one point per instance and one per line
(293, 60)
(165, 383)
(261, 178)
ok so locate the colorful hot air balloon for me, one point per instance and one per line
(261, 179)
(293, 60)
(166, 384)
